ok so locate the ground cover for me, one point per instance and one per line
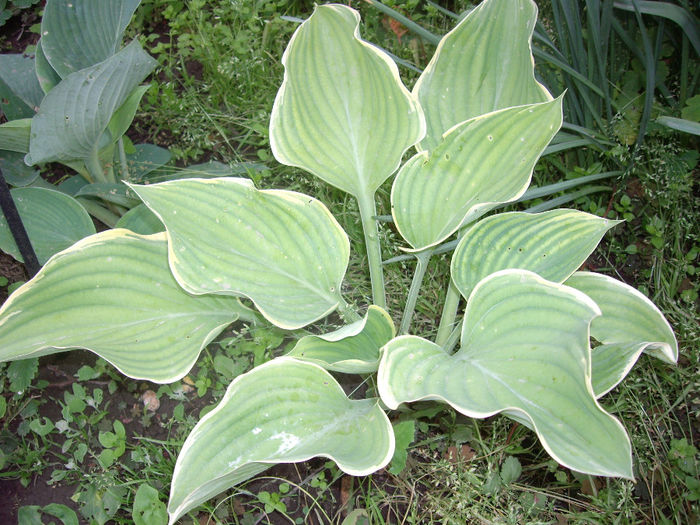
(459, 470)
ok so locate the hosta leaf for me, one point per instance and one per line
(18, 73)
(552, 244)
(524, 352)
(480, 163)
(79, 34)
(284, 411)
(484, 64)
(283, 250)
(15, 171)
(124, 116)
(342, 112)
(117, 193)
(630, 324)
(74, 114)
(113, 293)
(140, 219)
(146, 158)
(46, 75)
(14, 135)
(354, 349)
(53, 221)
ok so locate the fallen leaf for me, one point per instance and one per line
(150, 400)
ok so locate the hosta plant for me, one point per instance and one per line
(538, 341)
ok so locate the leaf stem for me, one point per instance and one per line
(449, 313)
(452, 339)
(422, 260)
(92, 163)
(100, 213)
(347, 312)
(122, 159)
(368, 215)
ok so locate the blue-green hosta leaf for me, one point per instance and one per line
(76, 34)
(124, 116)
(140, 219)
(74, 115)
(146, 159)
(15, 171)
(46, 75)
(524, 352)
(480, 164)
(18, 73)
(14, 135)
(282, 249)
(117, 193)
(342, 112)
(552, 244)
(354, 349)
(284, 411)
(630, 324)
(113, 293)
(53, 221)
(484, 64)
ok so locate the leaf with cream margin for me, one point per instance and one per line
(480, 164)
(342, 112)
(74, 115)
(553, 244)
(484, 64)
(282, 249)
(78, 34)
(353, 349)
(113, 294)
(630, 324)
(283, 411)
(524, 352)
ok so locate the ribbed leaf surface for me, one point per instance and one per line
(53, 220)
(284, 250)
(525, 353)
(480, 163)
(552, 244)
(354, 349)
(342, 112)
(113, 293)
(630, 324)
(76, 34)
(74, 114)
(14, 135)
(140, 219)
(47, 75)
(281, 412)
(17, 71)
(484, 64)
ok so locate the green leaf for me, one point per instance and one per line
(510, 470)
(146, 159)
(17, 72)
(53, 221)
(148, 509)
(47, 76)
(404, 434)
(29, 515)
(117, 193)
(21, 373)
(525, 353)
(342, 112)
(76, 35)
(480, 164)
(354, 349)
(75, 114)
(630, 324)
(113, 293)
(284, 411)
(283, 250)
(14, 135)
(484, 64)
(679, 124)
(140, 219)
(124, 116)
(62, 512)
(15, 171)
(552, 244)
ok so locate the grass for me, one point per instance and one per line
(211, 99)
